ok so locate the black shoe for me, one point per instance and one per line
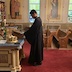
(39, 63)
(35, 64)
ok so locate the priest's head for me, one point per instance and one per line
(33, 13)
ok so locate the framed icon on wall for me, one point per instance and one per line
(15, 9)
(53, 10)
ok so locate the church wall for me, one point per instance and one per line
(24, 13)
(2, 0)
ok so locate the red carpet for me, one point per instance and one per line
(54, 61)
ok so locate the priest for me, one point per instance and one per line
(35, 37)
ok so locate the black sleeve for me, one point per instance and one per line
(30, 34)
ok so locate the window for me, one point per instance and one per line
(34, 4)
(70, 11)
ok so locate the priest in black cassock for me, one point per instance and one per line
(35, 37)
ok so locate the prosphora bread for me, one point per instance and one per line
(11, 38)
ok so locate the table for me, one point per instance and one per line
(9, 56)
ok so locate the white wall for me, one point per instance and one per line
(2, 0)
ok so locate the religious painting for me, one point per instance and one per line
(53, 10)
(15, 9)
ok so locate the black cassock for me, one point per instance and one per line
(35, 37)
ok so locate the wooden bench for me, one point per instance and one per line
(47, 37)
(60, 39)
(70, 38)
